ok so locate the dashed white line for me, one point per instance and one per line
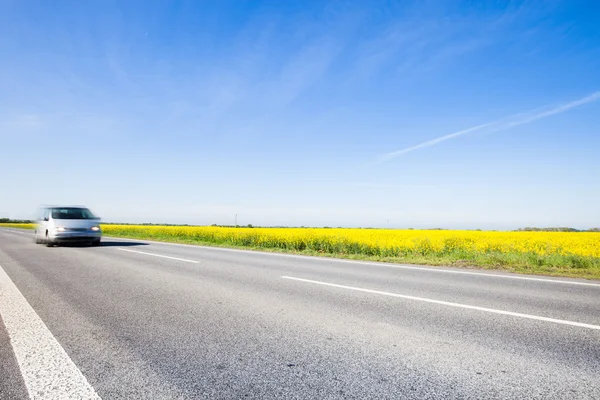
(161, 256)
(375, 264)
(447, 303)
(48, 371)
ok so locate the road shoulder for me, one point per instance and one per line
(12, 385)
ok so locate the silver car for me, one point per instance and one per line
(56, 224)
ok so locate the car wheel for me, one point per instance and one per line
(96, 242)
(49, 243)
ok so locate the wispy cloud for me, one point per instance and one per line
(498, 125)
(303, 69)
(429, 37)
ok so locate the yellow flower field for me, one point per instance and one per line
(382, 241)
(556, 252)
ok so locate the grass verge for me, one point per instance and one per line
(573, 266)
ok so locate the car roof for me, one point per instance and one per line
(63, 206)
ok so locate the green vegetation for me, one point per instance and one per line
(14, 221)
(567, 265)
(21, 225)
(557, 229)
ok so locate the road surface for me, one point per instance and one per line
(143, 320)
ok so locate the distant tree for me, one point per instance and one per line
(552, 229)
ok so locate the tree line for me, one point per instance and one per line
(15, 221)
(556, 229)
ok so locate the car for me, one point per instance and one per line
(67, 224)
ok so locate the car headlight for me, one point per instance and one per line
(95, 228)
(60, 229)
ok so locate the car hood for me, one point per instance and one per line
(76, 223)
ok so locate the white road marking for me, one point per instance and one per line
(160, 255)
(447, 303)
(375, 264)
(48, 371)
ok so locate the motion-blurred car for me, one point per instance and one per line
(56, 225)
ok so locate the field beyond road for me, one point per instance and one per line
(569, 254)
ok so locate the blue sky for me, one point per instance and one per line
(301, 113)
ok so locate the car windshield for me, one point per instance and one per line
(72, 213)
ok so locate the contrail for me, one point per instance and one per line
(498, 125)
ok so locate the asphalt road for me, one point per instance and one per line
(144, 320)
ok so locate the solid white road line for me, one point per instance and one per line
(48, 371)
(160, 255)
(447, 303)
